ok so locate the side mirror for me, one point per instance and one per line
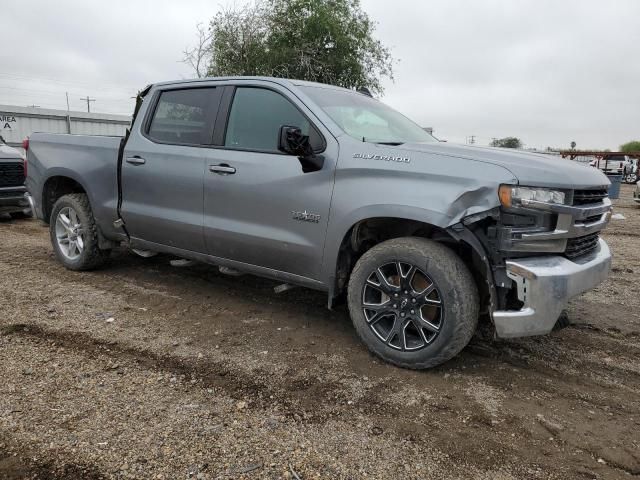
(292, 142)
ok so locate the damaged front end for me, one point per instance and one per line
(542, 248)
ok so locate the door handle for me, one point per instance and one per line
(136, 160)
(222, 169)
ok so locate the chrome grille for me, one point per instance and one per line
(11, 174)
(584, 197)
(11, 194)
(579, 246)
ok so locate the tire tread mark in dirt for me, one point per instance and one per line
(19, 462)
(504, 352)
(315, 407)
(210, 373)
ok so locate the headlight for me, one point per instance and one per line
(511, 195)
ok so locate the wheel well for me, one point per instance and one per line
(54, 188)
(368, 233)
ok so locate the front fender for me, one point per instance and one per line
(430, 188)
(338, 228)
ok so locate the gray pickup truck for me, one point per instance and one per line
(327, 188)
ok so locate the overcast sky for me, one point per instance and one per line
(547, 71)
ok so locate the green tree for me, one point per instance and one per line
(507, 142)
(327, 41)
(633, 146)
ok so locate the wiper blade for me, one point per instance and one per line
(393, 144)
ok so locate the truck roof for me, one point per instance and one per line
(281, 81)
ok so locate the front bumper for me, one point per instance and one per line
(545, 285)
(13, 199)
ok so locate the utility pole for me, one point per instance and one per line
(68, 115)
(88, 100)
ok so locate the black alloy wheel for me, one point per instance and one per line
(402, 306)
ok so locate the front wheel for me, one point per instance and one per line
(413, 302)
(74, 234)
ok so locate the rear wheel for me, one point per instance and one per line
(74, 234)
(413, 302)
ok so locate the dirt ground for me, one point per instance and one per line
(144, 370)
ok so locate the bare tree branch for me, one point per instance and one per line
(199, 57)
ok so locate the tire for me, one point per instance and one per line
(455, 291)
(563, 321)
(90, 256)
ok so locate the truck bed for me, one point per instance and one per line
(90, 160)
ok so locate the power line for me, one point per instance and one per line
(89, 100)
(103, 86)
(115, 100)
(124, 92)
(60, 100)
(108, 109)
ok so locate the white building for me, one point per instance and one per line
(17, 123)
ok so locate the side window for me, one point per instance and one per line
(185, 116)
(256, 117)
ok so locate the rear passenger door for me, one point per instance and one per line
(163, 168)
(260, 207)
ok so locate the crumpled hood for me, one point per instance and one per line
(532, 169)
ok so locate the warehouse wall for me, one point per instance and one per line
(17, 123)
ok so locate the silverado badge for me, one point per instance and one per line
(385, 158)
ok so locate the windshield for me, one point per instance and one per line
(366, 119)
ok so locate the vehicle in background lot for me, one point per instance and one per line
(12, 175)
(327, 188)
(618, 165)
(631, 171)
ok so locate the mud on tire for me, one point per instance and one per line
(444, 280)
(90, 256)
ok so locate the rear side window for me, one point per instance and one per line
(185, 116)
(256, 117)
